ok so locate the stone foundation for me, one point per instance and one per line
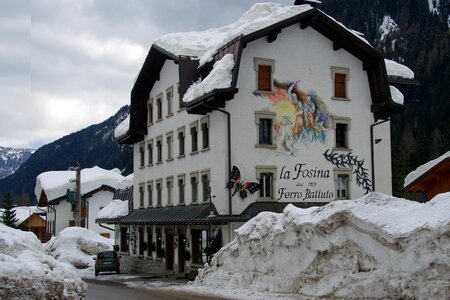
(139, 264)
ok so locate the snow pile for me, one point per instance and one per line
(397, 96)
(56, 183)
(387, 27)
(411, 177)
(204, 44)
(26, 272)
(115, 209)
(122, 129)
(398, 70)
(127, 181)
(219, 78)
(77, 246)
(376, 247)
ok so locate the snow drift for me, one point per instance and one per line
(77, 246)
(376, 247)
(26, 272)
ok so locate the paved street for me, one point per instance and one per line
(100, 289)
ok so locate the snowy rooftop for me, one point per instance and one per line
(122, 129)
(56, 183)
(24, 212)
(115, 209)
(414, 175)
(398, 70)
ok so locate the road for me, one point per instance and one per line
(108, 290)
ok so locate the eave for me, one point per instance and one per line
(443, 167)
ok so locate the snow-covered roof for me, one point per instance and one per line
(398, 70)
(24, 212)
(122, 129)
(115, 209)
(220, 77)
(397, 96)
(56, 183)
(421, 170)
(204, 44)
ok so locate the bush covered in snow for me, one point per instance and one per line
(26, 272)
(77, 246)
(376, 247)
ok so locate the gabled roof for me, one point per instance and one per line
(191, 67)
(427, 172)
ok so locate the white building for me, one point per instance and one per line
(97, 190)
(295, 101)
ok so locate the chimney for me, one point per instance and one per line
(313, 3)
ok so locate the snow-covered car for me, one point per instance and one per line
(107, 261)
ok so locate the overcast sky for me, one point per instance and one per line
(68, 64)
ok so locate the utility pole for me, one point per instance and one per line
(78, 191)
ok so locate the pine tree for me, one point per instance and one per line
(9, 215)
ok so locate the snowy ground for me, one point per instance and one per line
(376, 247)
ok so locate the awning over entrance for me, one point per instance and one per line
(186, 214)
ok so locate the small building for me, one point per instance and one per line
(31, 218)
(284, 106)
(431, 178)
(55, 189)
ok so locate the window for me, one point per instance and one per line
(194, 144)
(169, 183)
(181, 142)
(181, 179)
(265, 121)
(206, 189)
(204, 126)
(159, 192)
(194, 187)
(150, 111)
(199, 243)
(150, 152)
(340, 77)
(342, 178)
(264, 69)
(141, 195)
(341, 126)
(266, 178)
(124, 239)
(169, 138)
(159, 149)
(150, 193)
(169, 99)
(159, 107)
(141, 155)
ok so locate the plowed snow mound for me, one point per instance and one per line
(376, 247)
(26, 272)
(77, 246)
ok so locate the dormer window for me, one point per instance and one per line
(264, 69)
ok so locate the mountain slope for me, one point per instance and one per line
(92, 146)
(415, 33)
(11, 159)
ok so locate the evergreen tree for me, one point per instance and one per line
(9, 215)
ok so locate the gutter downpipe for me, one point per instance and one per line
(229, 150)
(372, 154)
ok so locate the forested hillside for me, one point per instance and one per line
(92, 146)
(415, 33)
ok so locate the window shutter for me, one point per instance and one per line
(339, 86)
(264, 77)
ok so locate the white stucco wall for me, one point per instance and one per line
(97, 201)
(63, 215)
(303, 55)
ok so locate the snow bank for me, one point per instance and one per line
(376, 247)
(411, 177)
(77, 246)
(203, 44)
(398, 70)
(219, 78)
(115, 209)
(26, 272)
(122, 129)
(56, 183)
